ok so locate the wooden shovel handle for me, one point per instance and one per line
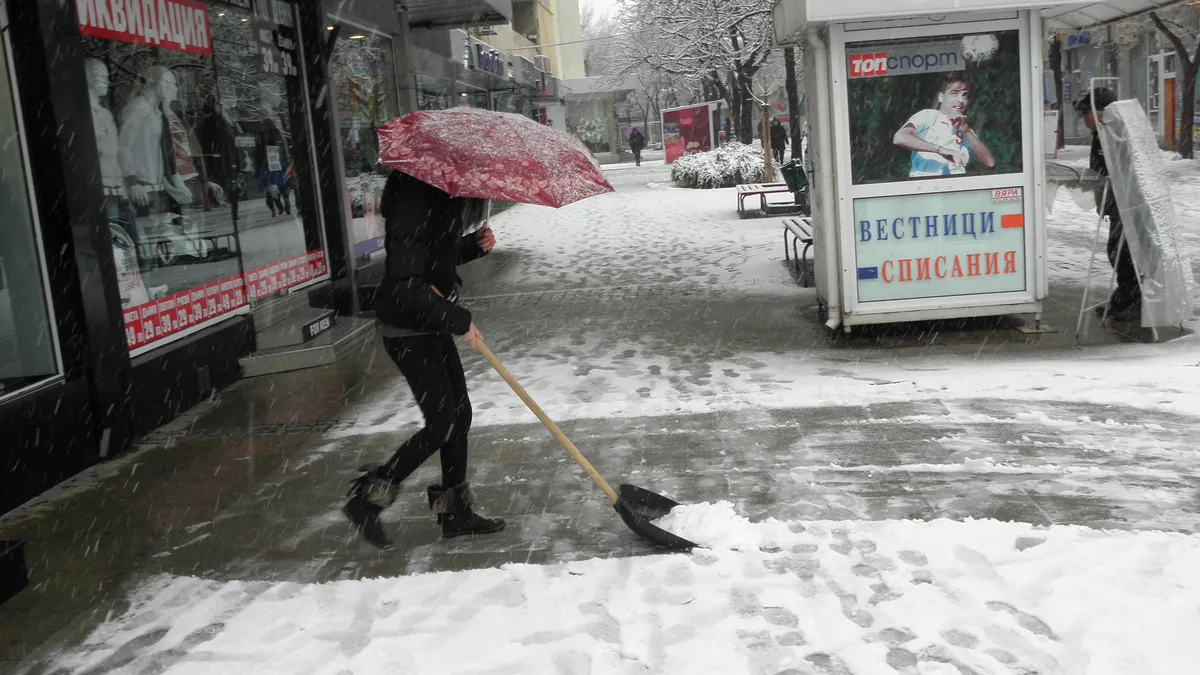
(537, 410)
(554, 430)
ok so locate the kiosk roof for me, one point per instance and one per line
(792, 17)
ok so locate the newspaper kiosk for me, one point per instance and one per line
(925, 156)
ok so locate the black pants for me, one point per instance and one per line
(778, 155)
(281, 203)
(1128, 293)
(637, 156)
(434, 372)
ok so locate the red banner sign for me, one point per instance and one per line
(167, 316)
(271, 279)
(178, 25)
(159, 319)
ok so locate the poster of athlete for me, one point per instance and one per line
(934, 108)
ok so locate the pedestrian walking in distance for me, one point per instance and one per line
(779, 140)
(636, 142)
(426, 239)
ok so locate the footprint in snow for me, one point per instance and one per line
(894, 637)
(960, 638)
(828, 664)
(1027, 621)
(792, 638)
(780, 616)
(744, 602)
(573, 662)
(842, 546)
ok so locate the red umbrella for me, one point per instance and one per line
(468, 152)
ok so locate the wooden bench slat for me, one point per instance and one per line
(801, 231)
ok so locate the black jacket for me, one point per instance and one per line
(778, 137)
(420, 257)
(637, 141)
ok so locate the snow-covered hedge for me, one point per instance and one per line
(729, 165)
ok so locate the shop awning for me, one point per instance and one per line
(793, 17)
(382, 15)
(1097, 13)
(423, 14)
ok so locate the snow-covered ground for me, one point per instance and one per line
(861, 598)
(845, 598)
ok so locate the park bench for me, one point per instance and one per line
(761, 190)
(800, 231)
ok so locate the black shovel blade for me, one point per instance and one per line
(639, 508)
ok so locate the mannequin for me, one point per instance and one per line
(121, 217)
(147, 151)
(107, 136)
(273, 159)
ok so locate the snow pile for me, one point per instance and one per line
(730, 165)
(941, 597)
(713, 526)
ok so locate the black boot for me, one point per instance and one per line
(370, 494)
(453, 508)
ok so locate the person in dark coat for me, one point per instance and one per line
(1125, 304)
(779, 140)
(636, 143)
(417, 303)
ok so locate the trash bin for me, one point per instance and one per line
(797, 182)
(794, 176)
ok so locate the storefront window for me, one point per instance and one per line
(28, 353)
(201, 136)
(362, 75)
(434, 93)
(590, 119)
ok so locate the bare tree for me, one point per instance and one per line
(793, 97)
(597, 31)
(1178, 24)
(718, 47)
(1180, 35)
(1061, 105)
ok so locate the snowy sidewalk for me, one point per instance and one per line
(865, 598)
(673, 345)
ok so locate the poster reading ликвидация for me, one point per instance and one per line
(940, 107)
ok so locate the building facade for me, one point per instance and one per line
(1136, 60)
(192, 196)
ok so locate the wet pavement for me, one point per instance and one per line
(248, 485)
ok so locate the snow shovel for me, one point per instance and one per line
(639, 508)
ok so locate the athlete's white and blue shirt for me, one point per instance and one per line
(935, 127)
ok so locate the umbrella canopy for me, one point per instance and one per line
(467, 152)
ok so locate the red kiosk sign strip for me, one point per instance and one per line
(178, 25)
